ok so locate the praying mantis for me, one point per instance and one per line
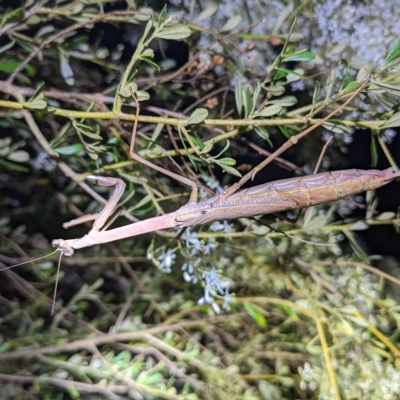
(272, 197)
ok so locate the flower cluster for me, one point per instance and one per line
(199, 254)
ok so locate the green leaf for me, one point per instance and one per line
(316, 93)
(300, 56)
(255, 314)
(238, 95)
(149, 53)
(393, 54)
(374, 151)
(198, 116)
(162, 15)
(282, 18)
(197, 142)
(393, 122)
(385, 216)
(232, 23)
(275, 90)
(336, 127)
(285, 131)
(176, 32)
(228, 143)
(246, 100)
(72, 150)
(315, 223)
(13, 15)
(288, 310)
(13, 167)
(36, 104)
(19, 156)
(286, 101)
(261, 230)
(295, 75)
(227, 161)
(230, 170)
(269, 111)
(9, 66)
(91, 135)
(392, 87)
(351, 85)
(151, 63)
(144, 14)
(66, 70)
(363, 74)
(359, 226)
(263, 133)
(208, 12)
(153, 379)
(81, 126)
(33, 20)
(256, 93)
(38, 90)
(7, 46)
(128, 89)
(184, 146)
(330, 83)
(208, 147)
(142, 96)
(358, 250)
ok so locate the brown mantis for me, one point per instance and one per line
(273, 197)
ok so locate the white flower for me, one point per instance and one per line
(167, 260)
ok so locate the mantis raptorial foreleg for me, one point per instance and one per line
(109, 213)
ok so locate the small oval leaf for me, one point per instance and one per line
(269, 111)
(227, 161)
(36, 104)
(359, 226)
(300, 56)
(74, 149)
(387, 215)
(198, 116)
(128, 89)
(19, 156)
(230, 170)
(91, 135)
(207, 148)
(66, 70)
(142, 96)
(197, 142)
(176, 32)
(208, 12)
(255, 314)
(286, 101)
(363, 74)
(232, 23)
(275, 90)
(336, 127)
(351, 85)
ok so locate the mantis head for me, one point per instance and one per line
(64, 246)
